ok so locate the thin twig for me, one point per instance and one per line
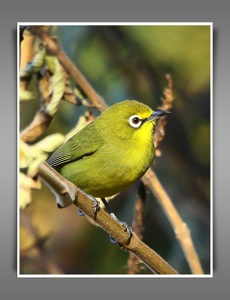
(180, 228)
(167, 100)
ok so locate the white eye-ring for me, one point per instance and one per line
(135, 121)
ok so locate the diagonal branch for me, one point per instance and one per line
(64, 188)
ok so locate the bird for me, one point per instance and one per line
(110, 153)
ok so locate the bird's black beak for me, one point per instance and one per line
(157, 114)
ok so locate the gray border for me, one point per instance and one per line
(198, 11)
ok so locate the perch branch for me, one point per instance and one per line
(63, 187)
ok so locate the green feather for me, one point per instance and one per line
(84, 143)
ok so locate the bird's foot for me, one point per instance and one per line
(127, 228)
(96, 205)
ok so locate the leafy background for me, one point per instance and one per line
(130, 62)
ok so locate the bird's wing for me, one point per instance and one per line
(84, 143)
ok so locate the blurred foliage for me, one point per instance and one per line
(130, 62)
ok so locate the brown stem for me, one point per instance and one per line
(167, 100)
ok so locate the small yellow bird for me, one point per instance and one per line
(112, 152)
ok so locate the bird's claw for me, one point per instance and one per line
(127, 228)
(96, 205)
(80, 212)
(112, 240)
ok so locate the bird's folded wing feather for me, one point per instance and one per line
(84, 143)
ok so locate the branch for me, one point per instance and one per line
(71, 194)
(180, 228)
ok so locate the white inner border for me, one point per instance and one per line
(211, 149)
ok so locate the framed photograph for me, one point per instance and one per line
(115, 171)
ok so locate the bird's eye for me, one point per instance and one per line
(135, 121)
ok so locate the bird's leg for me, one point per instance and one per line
(107, 206)
(125, 225)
